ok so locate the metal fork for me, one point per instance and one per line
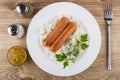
(108, 18)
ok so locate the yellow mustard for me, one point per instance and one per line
(16, 55)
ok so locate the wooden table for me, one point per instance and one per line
(29, 71)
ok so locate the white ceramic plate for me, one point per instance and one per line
(49, 12)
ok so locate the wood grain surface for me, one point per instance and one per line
(29, 71)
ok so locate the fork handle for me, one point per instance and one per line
(108, 48)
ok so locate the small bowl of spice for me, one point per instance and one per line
(16, 55)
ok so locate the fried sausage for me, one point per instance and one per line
(63, 37)
(56, 32)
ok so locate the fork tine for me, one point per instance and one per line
(105, 9)
(110, 8)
